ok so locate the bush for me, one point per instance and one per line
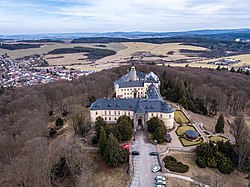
(94, 140)
(177, 167)
(169, 159)
(61, 169)
(201, 162)
(52, 132)
(172, 164)
(65, 112)
(226, 166)
(50, 112)
(59, 122)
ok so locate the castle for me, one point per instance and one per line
(137, 96)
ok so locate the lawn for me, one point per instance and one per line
(180, 117)
(218, 138)
(182, 129)
(187, 143)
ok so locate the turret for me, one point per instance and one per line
(132, 74)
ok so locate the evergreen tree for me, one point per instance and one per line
(152, 124)
(160, 132)
(113, 153)
(219, 127)
(214, 107)
(125, 129)
(102, 140)
(99, 122)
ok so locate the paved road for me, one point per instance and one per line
(143, 163)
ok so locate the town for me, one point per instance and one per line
(18, 73)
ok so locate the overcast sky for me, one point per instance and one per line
(52, 16)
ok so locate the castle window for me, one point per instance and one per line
(109, 118)
(161, 115)
(105, 118)
(96, 113)
(109, 112)
(121, 89)
(115, 119)
(118, 112)
(152, 114)
(115, 112)
(129, 113)
(105, 112)
(169, 116)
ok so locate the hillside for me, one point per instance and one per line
(25, 144)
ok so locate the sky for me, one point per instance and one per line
(65, 16)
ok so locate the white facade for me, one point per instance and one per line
(132, 100)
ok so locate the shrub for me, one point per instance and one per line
(169, 159)
(52, 132)
(61, 169)
(59, 122)
(172, 164)
(201, 162)
(226, 166)
(94, 140)
(65, 112)
(177, 167)
(50, 112)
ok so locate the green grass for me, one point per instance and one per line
(180, 117)
(182, 129)
(218, 138)
(187, 143)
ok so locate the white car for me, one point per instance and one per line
(160, 182)
(155, 169)
(158, 177)
(160, 185)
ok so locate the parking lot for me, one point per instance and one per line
(143, 163)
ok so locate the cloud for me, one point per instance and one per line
(44, 16)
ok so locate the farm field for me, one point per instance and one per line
(125, 52)
(49, 47)
(66, 59)
(245, 60)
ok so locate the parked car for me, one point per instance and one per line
(153, 153)
(155, 169)
(159, 177)
(135, 153)
(168, 138)
(160, 182)
(159, 185)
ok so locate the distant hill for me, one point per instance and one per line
(227, 33)
(41, 41)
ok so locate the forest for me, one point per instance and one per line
(25, 143)
(18, 46)
(93, 53)
(42, 40)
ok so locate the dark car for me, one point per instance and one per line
(168, 138)
(135, 153)
(153, 153)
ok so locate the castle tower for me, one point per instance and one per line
(132, 74)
